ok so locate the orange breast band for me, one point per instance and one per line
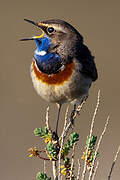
(58, 78)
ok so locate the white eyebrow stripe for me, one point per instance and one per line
(57, 27)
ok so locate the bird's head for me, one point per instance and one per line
(58, 37)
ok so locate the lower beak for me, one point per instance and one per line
(34, 37)
(26, 39)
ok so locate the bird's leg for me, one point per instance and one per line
(72, 114)
(75, 106)
(58, 115)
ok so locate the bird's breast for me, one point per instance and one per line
(54, 79)
(67, 85)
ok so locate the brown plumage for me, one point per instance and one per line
(63, 68)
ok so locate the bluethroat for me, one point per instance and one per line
(63, 68)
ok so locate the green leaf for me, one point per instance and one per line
(42, 176)
(51, 149)
(74, 137)
(92, 141)
(42, 133)
(38, 132)
(45, 131)
(67, 161)
(65, 149)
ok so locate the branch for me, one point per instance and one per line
(44, 166)
(78, 174)
(62, 141)
(47, 119)
(90, 135)
(73, 116)
(54, 170)
(113, 164)
(72, 162)
(98, 145)
(95, 170)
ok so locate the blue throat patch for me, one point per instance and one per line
(47, 62)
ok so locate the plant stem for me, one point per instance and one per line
(55, 176)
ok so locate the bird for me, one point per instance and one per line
(63, 68)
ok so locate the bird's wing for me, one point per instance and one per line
(88, 65)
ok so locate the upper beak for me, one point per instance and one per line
(34, 37)
(31, 22)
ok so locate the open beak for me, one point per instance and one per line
(34, 37)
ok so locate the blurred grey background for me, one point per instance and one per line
(22, 110)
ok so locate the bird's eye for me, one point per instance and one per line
(50, 29)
